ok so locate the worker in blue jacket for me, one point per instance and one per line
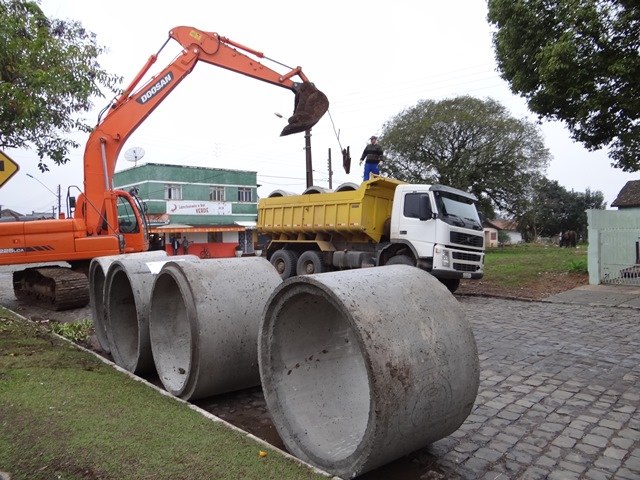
(372, 157)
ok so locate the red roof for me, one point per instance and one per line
(503, 224)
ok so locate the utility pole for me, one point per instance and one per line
(330, 171)
(59, 201)
(307, 147)
(57, 195)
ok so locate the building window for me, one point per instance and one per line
(244, 194)
(172, 192)
(216, 194)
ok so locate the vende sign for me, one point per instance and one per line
(186, 207)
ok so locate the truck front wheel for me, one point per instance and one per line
(284, 262)
(401, 260)
(451, 283)
(310, 262)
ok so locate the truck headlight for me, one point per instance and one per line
(444, 255)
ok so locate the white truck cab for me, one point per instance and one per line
(442, 228)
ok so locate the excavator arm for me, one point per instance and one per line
(131, 108)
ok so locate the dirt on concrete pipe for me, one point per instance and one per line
(97, 275)
(127, 293)
(204, 322)
(362, 367)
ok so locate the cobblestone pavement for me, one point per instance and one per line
(559, 396)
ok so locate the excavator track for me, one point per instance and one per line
(55, 288)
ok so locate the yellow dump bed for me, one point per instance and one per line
(357, 215)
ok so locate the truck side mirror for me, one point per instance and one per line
(72, 202)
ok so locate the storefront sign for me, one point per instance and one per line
(190, 207)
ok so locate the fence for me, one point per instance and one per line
(614, 246)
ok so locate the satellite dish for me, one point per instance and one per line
(134, 154)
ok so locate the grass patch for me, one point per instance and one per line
(64, 414)
(518, 265)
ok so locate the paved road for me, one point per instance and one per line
(559, 395)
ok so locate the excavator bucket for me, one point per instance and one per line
(309, 107)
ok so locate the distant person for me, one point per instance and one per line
(372, 157)
(175, 244)
(185, 246)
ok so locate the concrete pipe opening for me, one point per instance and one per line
(128, 285)
(362, 367)
(319, 374)
(204, 322)
(172, 342)
(97, 276)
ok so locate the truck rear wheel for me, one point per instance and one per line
(285, 262)
(310, 262)
(401, 260)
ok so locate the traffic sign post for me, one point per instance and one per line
(8, 168)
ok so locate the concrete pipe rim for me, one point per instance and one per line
(171, 317)
(294, 290)
(98, 269)
(123, 318)
(97, 278)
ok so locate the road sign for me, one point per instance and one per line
(8, 168)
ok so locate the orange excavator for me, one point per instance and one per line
(107, 221)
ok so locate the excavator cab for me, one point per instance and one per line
(310, 105)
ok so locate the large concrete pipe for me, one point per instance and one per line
(361, 367)
(204, 324)
(97, 274)
(127, 292)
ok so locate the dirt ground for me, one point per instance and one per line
(546, 285)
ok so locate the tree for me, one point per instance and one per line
(551, 209)
(467, 143)
(577, 62)
(48, 74)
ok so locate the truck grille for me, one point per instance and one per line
(465, 267)
(469, 257)
(466, 240)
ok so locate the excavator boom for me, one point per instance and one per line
(136, 102)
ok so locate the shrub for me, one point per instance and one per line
(76, 331)
(578, 266)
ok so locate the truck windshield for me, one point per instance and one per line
(457, 210)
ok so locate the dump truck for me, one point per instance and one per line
(383, 221)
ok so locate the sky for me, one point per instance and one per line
(372, 59)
